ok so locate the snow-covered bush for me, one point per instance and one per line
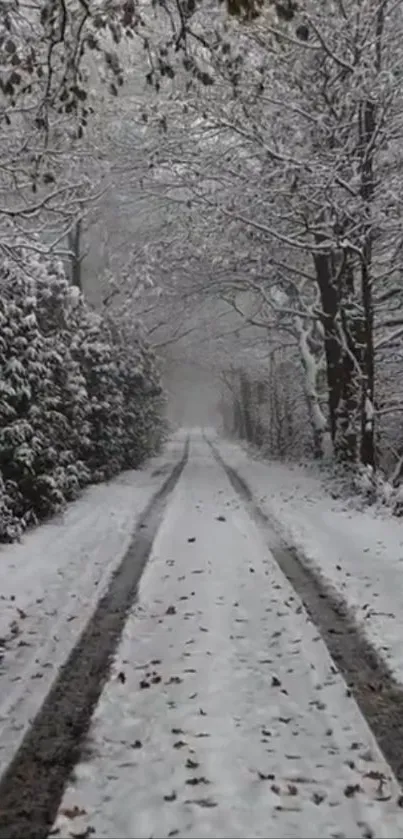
(77, 403)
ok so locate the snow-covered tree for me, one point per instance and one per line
(77, 404)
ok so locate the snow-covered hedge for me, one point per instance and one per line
(78, 401)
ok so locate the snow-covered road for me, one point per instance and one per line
(224, 715)
(51, 582)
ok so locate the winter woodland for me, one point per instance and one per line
(182, 178)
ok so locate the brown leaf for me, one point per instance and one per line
(73, 812)
(191, 764)
(202, 802)
(318, 797)
(195, 781)
(351, 789)
(375, 775)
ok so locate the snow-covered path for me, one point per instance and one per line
(51, 582)
(224, 715)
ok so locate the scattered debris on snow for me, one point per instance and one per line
(51, 581)
(359, 553)
(251, 712)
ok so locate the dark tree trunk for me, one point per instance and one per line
(246, 403)
(367, 131)
(74, 240)
(329, 296)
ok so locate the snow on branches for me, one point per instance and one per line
(77, 403)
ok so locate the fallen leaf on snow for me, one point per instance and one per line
(191, 764)
(202, 802)
(73, 812)
(195, 781)
(351, 789)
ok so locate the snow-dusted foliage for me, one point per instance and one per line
(78, 402)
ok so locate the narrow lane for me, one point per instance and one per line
(32, 784)
(225, 715)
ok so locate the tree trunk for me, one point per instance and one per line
(74, 242)
(367, 131)
(329, 295)
(246, 403)
(310, 367)
(259, 428)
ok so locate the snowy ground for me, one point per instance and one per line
(224, 716)
(51, 581)
(359, 553)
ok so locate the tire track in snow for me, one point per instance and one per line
(32, 785)
(369, 678)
